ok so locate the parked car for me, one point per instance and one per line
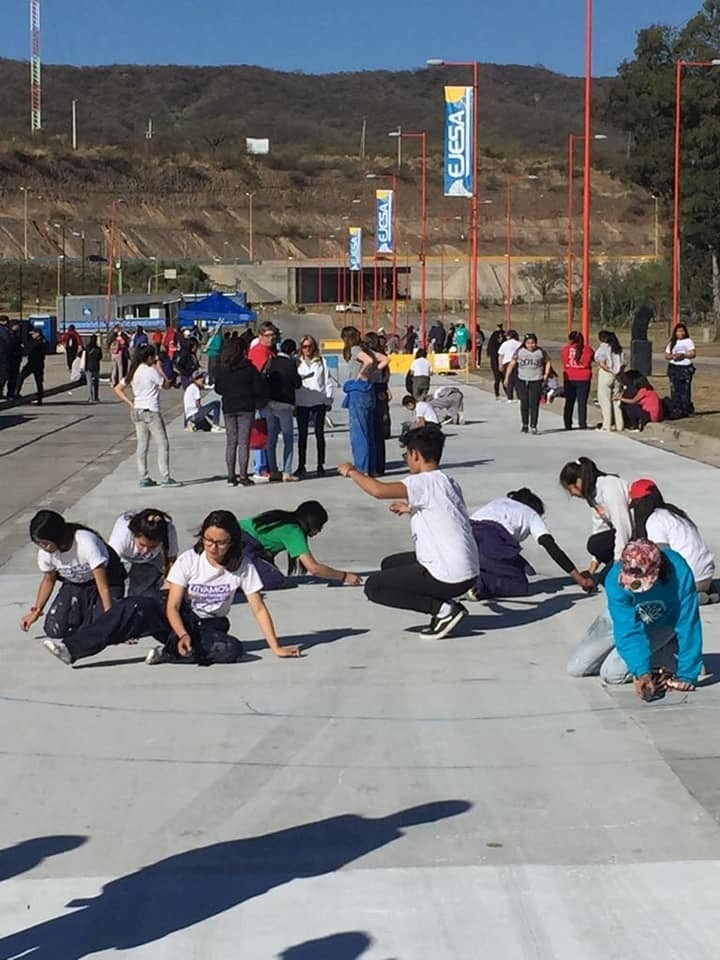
(349, 308)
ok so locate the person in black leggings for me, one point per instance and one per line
(496, 338)
(532, 366)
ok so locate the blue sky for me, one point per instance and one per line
(325, 36)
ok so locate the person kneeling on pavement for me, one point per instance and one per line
(199, 415)
(499, 528)
(653, 634)
(444, 564)
(191, 621)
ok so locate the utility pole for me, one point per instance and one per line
(35, 70)
(363, 136)
(74, 125)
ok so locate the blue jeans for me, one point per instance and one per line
(361, 407)
(280, 420)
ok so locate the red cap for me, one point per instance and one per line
(641, 488)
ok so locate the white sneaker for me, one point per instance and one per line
(154, 656)
(58, 649)
(216, 428)
(190, 427)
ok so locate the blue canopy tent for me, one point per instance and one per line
(214, 309)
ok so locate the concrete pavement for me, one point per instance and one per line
(385, 796)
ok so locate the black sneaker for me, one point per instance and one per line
(445, 625)
(430, 629)
(523, 430)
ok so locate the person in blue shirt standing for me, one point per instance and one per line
(655, 617)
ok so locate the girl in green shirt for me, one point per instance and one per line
(278, 531)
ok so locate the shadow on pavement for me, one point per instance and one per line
(29, 853)
(338, 946)
(190, 887)
(309, 640)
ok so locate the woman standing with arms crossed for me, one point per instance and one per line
(533, 368)
(680, 353)
(577, 360)
(147, 379)
(611, 361)
(243, 391)
(312, 402)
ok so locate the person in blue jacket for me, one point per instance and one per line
(655, 617)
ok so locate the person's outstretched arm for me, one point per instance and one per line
(548, 543)
(45, 591)
(317, 569)
(265, 622)
(375, 488)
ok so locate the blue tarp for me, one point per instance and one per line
(216, 308)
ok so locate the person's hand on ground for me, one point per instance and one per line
(352, 580)
(344, 469)
(184, 646)
(29, 619)
(587, 583)
(291, 651)
(644, 687)
(400, 508)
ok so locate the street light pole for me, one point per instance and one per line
(587, 186)
(25, 223)
(64, 279)
(250, 196)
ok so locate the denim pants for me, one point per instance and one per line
(148, 424)
(597, 654)
(680, 378)
(208, 411)
(280, 420)
(361, 407)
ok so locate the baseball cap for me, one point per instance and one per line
(641, 488)
(196, 374)
(641, 560)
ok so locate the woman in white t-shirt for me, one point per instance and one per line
(147, 379)
(90, 574)
(147, 543)
(680, 353)
(420, 371)
(506, 354)
(668, 525)
(202, 584)
(499, 529)
(607, 496)
(611, 362)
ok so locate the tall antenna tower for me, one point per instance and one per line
(35, 81)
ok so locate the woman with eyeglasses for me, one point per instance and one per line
(312, 402)
(192, 625)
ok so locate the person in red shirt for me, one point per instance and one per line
(577, 360)
(641, 403)
(170, 341)
(260, 355)
(73, 343)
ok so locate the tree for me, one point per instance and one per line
(642, 102)
(546, 277)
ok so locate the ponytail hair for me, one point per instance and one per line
(587, 472)
(578, 339)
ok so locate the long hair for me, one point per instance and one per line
(579, 340)
(634, 380)
(233, 351)
(226, 521)
(587, 472)
(310, 516)
(610, 338)
(675, 336)
(314, 348)
(152, 524)
(351, 338)
(53, 527)
(644, 507)
(140, 356)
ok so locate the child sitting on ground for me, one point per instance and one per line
(445, 563)
(423, 413)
